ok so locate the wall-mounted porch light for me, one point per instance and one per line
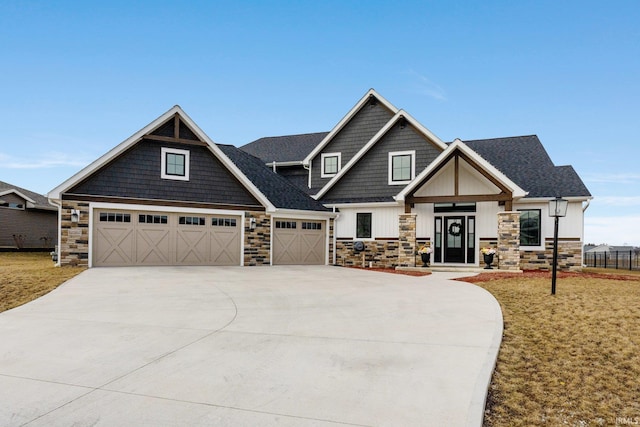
(557, 209)
(252, 223)
(75, 215)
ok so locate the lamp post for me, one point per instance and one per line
(557, 208)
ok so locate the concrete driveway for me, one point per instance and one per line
(252, 346)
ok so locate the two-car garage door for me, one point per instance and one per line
(122, 238)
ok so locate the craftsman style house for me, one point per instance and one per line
(374, 189)
(396, 187)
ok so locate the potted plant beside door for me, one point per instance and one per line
(488, 254)
(425, 254)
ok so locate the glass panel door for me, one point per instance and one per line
(454, 248)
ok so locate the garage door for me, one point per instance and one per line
(123, 238)
(298, 242)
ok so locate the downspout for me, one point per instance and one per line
(335, 234)
(584, 208)
(59, 205)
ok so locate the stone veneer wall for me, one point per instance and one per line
(569, 256)
(74, 236)
(381, 253)
(509, 240)
(407, 240)
(257, 243)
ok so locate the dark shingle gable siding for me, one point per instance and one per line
(136, 174)
(358, 131)
(369, 178)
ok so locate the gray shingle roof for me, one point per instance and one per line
(275, 187)
(41, 201)
(288, 148)
(525, 161)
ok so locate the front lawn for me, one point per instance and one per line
(25, 276)
(570, 359)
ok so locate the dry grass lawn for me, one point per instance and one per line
(25, 276)
(570, 359)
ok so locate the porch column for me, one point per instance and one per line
(509, 240)
(407, 240)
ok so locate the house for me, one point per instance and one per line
(27, 220)
(396, 186)
(168, 195)
(375, 188)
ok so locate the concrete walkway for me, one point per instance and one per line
(234, 346)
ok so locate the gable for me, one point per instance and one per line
(135, 169)
(459, 174)
(349, 137)
(469, 181)
(369, 176)
(136, 173)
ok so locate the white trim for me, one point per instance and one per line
(155, 208)
(163, 161)
(516, 191)
(293, 213)
(363, 205)
(370, 93)
(56, 193)
(398, 116)
(323, 157)
(18, 193)
(393, 154)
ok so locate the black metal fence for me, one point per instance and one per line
(621, 260)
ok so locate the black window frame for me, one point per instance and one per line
(393, 168)
(167, 164)
(364, 221)
(539, 226)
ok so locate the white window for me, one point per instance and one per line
(402, 167)
(330, 164)
(175, 164)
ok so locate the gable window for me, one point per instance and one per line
(363, 225)
(330, 164)
(175, 164)
(402, 167)
(530, 230)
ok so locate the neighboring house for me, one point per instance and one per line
(397, 186)
(609, 249)
(27, 219)
(168, 195)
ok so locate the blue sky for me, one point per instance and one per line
(80, 77)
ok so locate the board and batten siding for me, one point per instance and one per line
(486, 219)
(384, 222)
(569, 227)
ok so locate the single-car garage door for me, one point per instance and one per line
(123, 238)
(298, 242)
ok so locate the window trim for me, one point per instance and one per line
(163, 161)
(324, 156)
(370, 214)
(393, 154)
(540, 240)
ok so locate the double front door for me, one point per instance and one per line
(455, 239)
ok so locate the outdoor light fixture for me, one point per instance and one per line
(557, 208)
(75, 215)
(252, 223)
